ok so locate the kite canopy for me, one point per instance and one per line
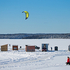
(27, 14)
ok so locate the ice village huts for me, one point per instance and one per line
(29, 48)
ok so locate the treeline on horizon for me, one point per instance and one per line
(36, 36)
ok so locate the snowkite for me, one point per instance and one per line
(26, 13)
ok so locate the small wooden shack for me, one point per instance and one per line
(30, 48)
(15, 47)
(4, 47)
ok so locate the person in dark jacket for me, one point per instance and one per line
(51, 48)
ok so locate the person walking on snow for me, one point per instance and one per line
(68, 61)
(51, 48)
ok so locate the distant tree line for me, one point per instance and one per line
(35, 36)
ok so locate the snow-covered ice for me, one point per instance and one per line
(21, 60)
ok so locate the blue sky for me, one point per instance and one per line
(45, 16)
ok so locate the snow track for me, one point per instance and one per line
(36, 60)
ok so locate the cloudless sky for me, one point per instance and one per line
(45, 16)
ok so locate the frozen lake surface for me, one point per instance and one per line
(61, 43)
(21, 60)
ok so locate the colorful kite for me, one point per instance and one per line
(27, 14)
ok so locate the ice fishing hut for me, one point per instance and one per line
(4, 47)
(30, 48)
(15, 47)
(20, 48)
(45, 47)
(69, 48)
(56, 48)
